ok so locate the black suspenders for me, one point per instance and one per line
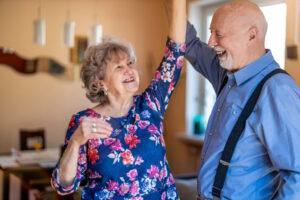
(235, 134)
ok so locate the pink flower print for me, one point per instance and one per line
(112, 185)
(139, 160)
(96, 142)
(143, 124)
(124, 188)
(171, 87)
(93, 184)
(157, 103)
(164, 173)
(127, 157)
(182, 48)
(93, 155)
(131, 129)
(152, 129)
(157, 75)
(166, 66)
(161, 175)
(132, 141)
(151, 105)
(179, 62)
(171, 57)
(82, 159)
(95, 175)
(136, 198)
(108, 141)
(132, 174)
(167, 51)
(161, 127)
(170, 180)
(166, 76)
(162, 141)
(163, 196)
(135, 188)
(79, 175)
(72, 122)
(116, 146)
(153, 172)
(137, 117)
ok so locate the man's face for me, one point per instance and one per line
(229, 39)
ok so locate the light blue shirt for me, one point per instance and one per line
(268, 150)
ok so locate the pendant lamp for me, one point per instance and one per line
(95, 34)
(39, 28)
(68, 29)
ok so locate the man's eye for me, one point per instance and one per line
(119, 67)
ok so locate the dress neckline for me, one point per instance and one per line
(106, 118)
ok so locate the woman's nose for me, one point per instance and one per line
(128, 70)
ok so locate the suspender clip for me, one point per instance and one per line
(224, 162)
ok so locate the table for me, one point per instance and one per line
(28, 165)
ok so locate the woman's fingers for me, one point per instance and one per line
(95, 127)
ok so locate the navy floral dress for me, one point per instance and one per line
(131, 163)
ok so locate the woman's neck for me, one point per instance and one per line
(116, 107)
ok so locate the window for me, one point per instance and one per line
(200, 94)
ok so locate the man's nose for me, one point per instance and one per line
(212, 42)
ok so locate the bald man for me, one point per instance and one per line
(265, 163)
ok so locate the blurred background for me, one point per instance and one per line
(41, 48)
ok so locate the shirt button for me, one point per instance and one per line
(234, 112)
(218, 110)
(229, 86)
(210, 134)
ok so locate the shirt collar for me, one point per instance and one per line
(253, 68)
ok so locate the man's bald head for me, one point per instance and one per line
(243, 14)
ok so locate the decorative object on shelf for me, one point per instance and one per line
(68, 29)
(199, 124)
(41, 64)
(39, 28)
(77, 52)
(32, 139)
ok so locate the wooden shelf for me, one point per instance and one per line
(192, 140)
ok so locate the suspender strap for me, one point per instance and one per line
(234, 136)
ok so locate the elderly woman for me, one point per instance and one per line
(118, 145)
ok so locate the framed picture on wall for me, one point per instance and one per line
(77, 52)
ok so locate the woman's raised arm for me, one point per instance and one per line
(177, 21)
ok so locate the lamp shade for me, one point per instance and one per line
(39, 32)
(68, 34)
(95, 36)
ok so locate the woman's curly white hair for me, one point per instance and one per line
(94, 67)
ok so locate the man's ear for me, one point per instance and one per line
(252, 35)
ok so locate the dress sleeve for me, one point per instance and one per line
(203, 58)
(81, 165)
(162, 85)
(278, 128)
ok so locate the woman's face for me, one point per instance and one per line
(121, 76)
